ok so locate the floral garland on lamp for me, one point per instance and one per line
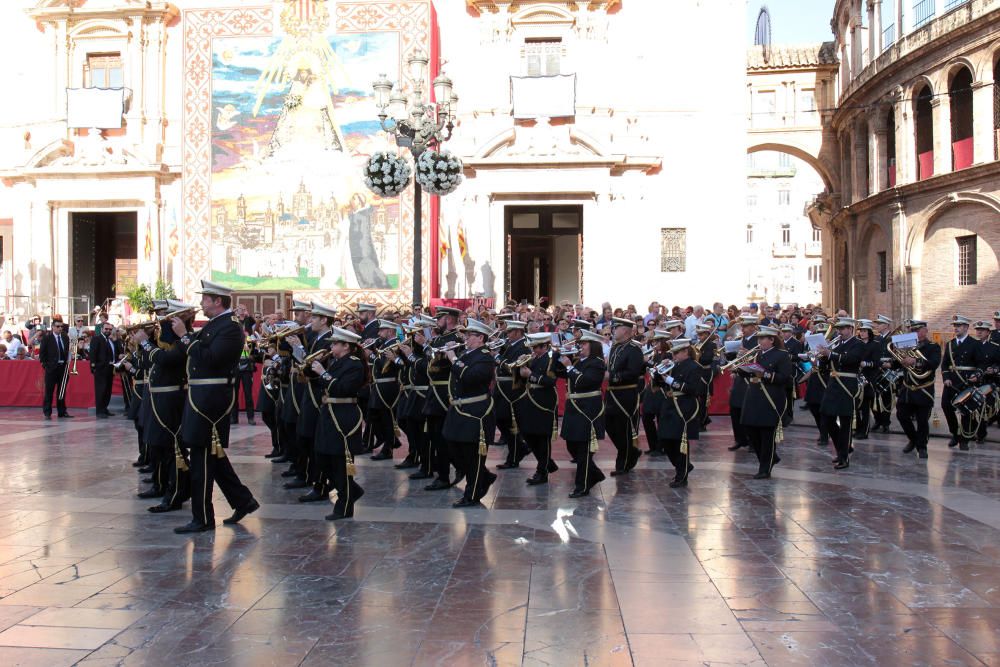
(439, 173)
(387, 174)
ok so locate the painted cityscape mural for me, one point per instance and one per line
(293, 121)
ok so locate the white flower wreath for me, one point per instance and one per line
(387, 174)
(439, 173)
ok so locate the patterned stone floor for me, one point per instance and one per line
(893, 562)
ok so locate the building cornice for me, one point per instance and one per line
(162, 172)
(493, 6)
(67, 11)
(615, 164)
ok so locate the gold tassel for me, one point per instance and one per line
(779, 433)
(395, 428)
(684, 442)
(352, 470)
(555, 427)
(217, 449)
(593, 440)
(482, 441)
(181, 463)
(513, 423)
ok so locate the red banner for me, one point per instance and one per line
(22, 384)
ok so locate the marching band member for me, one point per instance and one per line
(817, 380)
(384, 391)
(843, 357)
(270, 394)
(883, 394)
(705, 352)
(748, 324)
(870, 369)
(990, 363)
(436, 406)
(793, 347)
(212, 354)
(321, 319)
(369, 332)
(679, 425)
(292, 393)
(510, 389)
(470, 423)
(652, 393)
(960, 369)
(583, 419)
(626, 368)
(416, 391)
(766, 401)
(916, 396)
(536, 411)
(338, 431)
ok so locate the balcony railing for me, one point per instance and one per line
(951, 4)
(923, 11)
(814, 249)
(783, 250)
(889, 36)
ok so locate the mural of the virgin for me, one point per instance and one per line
(306, 122)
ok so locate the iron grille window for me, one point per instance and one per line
(786, 235)
(883, 279)
(966, 260)
(673, 249)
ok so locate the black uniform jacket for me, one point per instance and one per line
(706, 358)
(915, 391)
(211, 355)
(137, 410)
(471, 376)
(739, 389)
(680, 402)
(165, 394)
(439, 374)
(339, 427)
(626, 368)
(509, 388)
(958, 360)
(386, 369)
(652, 393)
(416, 386)
(779, 374)
(312, 395)
(583, 414)
(844, 363)
(536, 411)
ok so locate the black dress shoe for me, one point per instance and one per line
(337, 515)
(165, 507)
(240, 513)
(194, 527)
(281, 459)
(466, 502)
(708, 420)
(47, 418)
(275, 453)
(383, 455)
(572, 462)
(860, 436)
(252, 421)
(953, 442)
(314, 497)
(736, 445)
(884, 429)
(657, 453)
(150, 493)
(551, 467)
(537, 479)
(290, 473)
(579, 493)
(66, 415)
(407, 463)
(762, 475)
(295, 484)
(437, 485)
(616, 473)
(138, 463)
(100, 415)
(678, 483)
(146, 469)
(840, 465)
(110, 414)
(922, 454)
(420, 474)
(507, 465)
(964, 446)
(146, 480)
(909, 447)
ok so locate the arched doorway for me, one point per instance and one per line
(961, 119)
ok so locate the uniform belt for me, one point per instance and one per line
(467, 401)
(329, 400)
(206, 381)
(284, 384)
(164, 390)
(504, 378)
(539, 386)
(623, 386)
(139, 381)
(439, 383)
(415, 387)
(587, 394)
(964, 369)
(753, 380)
(385, 380)
(838, 374)
(918, 387)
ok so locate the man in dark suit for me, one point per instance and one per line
(54, 355)
(212, 354)
(102, 356)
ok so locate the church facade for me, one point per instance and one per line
(194, 139)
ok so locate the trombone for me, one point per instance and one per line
(742, 359)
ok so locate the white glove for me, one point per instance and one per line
(669, 380)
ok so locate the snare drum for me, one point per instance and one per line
(969, 402)
(991, 398)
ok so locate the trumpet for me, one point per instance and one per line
(183, 313)
(520, 361)
(664, 367)
(450, 346)
(308, 360)
(391, 348)
(742, 359)
(697, 346)
(569, 350)
(496, 345)
(132, 328)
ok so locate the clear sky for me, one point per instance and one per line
(793, 21)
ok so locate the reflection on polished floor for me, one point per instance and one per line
(893, 562)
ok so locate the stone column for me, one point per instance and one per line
(941, 106)
(860, 167)
(906, 156)
(874, 29)
(878, 151)
(982, 119)
(900, 305)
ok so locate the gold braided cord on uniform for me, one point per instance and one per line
(216, 444)
(178, 456)
(351, 470)
(687, 420)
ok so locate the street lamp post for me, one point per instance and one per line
(417, 124)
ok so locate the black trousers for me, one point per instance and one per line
(477, 478)
(915, 422)
(517, 448)
(271, 422)
(649, 426)
(162, 460)
(864, 414)
(762, 442)
(334, 468)
(587, 472)
(53, 380)
(244, 380)
(291, 441)
(179, 483)
(824, 435)
(207, 470)
(959, 425)
(884, 399)
(681, 461)
(308, 465)
(417, 442)
(839, 428)
(620, 430)
(382, 427)
(541, 447)
(103, 377)
(739, 433)
(440, 456)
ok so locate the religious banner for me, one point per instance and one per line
(290, 120)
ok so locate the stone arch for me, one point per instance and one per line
(546, 14)
(874, 236)
(96, 27)
(913, 252)
(955, 65)
(829, 181)
(49, 153)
